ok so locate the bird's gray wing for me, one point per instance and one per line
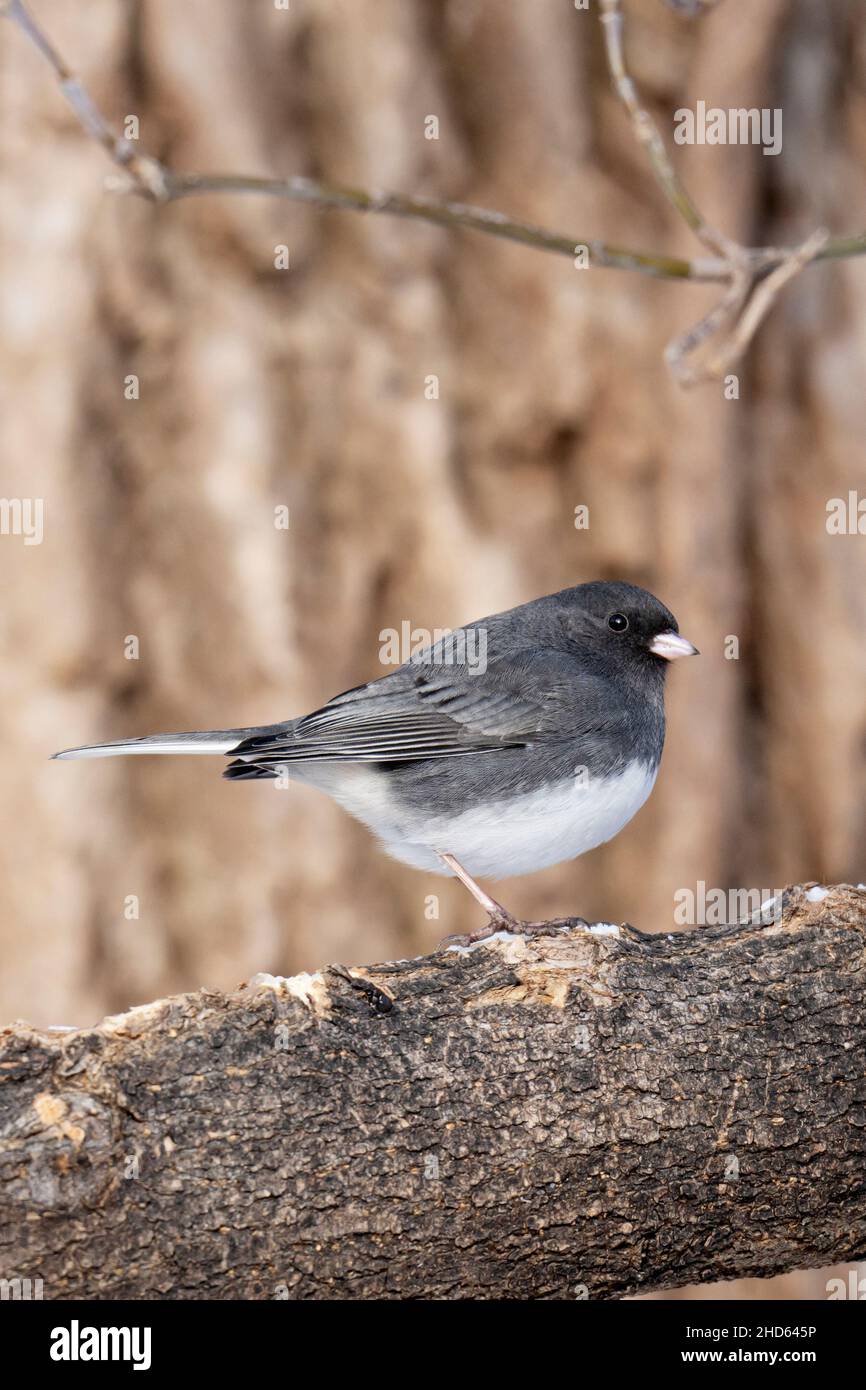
(424, 710)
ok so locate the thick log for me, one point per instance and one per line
(579, 1115)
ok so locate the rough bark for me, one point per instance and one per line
(575, 1115)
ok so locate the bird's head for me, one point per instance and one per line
(623, 623)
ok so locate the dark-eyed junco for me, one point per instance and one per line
(516, 742)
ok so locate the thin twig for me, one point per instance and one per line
(754, 278)
(719, 320)
(647, 134)
(746, 317)
(449, 214)
(148, 173)
(691, 8)
(740, 269)
(148, 177)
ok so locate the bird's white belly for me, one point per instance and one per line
(526, 833)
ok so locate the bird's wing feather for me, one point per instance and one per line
(421, 711)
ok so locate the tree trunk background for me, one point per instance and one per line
(569, 1117)
(306, 388)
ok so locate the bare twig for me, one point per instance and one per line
(719, 320)
(146, 176)
(148, 173)
(691, 8)
(448, 214)
(741, 269)
(733, 322)
(647, 133)
(741, 311)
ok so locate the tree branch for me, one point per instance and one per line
(577, 1115)
(646, 132)
(742, 269)
(746, 302)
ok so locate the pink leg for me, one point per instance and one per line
(500, 918)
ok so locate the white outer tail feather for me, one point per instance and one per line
(158, 743)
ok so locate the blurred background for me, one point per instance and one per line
(308, 388)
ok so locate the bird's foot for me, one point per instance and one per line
(498, 918)
(503, 921)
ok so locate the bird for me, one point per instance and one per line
(519, 741)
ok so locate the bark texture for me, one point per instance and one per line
(576, 1115)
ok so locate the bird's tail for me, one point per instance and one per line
(201, 741)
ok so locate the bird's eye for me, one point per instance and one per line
(617, 622)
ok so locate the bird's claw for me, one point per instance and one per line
(515, 926)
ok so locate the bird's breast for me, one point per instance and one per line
(515, 835)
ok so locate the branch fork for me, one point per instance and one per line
(753, 278)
